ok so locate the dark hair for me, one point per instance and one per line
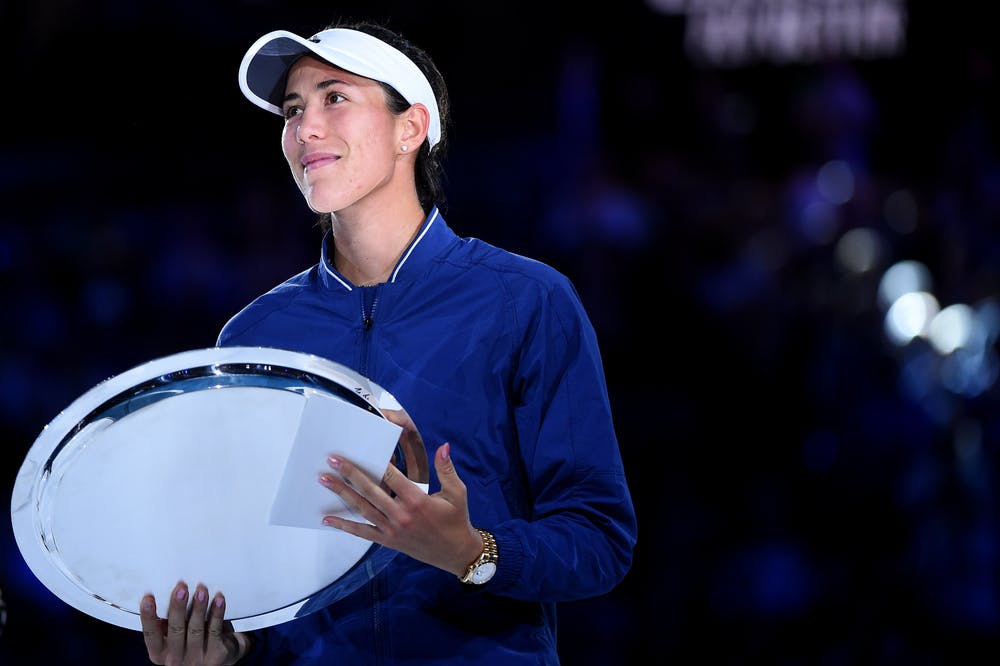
(428, 169)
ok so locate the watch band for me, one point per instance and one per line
(484, 566)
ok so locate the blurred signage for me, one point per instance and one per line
(740, 32)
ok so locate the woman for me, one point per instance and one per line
(491, 353)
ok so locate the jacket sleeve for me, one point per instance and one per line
(582, 530)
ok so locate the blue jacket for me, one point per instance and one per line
(494, 353)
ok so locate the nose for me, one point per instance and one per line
(309, 126)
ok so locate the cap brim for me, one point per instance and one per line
(265, 67)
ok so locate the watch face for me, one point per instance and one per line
(483, 573)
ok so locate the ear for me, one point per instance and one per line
(414, 123)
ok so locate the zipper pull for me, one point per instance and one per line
(368, 313)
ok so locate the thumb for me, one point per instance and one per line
(446, 468)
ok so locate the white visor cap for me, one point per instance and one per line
(265, 67)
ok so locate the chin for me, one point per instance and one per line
(317, 204)
(320, 209)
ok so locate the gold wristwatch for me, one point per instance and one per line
(483, 568)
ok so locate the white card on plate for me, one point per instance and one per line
(329, 426)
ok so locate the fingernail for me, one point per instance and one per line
(201, 595)
(334, 462)
(147, 604)
(445, 451)
(219, 599)
(181, 594)
(325, 479)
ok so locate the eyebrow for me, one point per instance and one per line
(322, 85)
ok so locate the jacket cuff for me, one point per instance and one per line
(510, 559)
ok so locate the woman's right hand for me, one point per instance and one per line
(202, 638)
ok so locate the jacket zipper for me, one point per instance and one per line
(368, 310)
(369, 302)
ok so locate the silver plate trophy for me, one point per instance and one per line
(171, 470)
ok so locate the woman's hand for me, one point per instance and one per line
(202, 638)
(434, 529)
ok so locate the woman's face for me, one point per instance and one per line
(340, 139)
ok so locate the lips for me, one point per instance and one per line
(314, 161)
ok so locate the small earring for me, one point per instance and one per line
(404, 148)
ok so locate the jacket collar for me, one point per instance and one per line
(433, 235)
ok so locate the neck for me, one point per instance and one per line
(368, 247)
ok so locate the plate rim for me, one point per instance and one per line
(29, 484)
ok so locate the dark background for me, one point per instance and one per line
(808, 492)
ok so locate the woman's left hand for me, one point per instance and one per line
(434, 529)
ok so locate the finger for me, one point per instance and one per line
(411, 445)
(152, 628)
(363, 530)
(217, 648)
(352, 475)
(216, 613)
(355, 501)
(400, 418)
(176, 624)
(361, 486)
(196, 621)
(451, 484)
(399, 484)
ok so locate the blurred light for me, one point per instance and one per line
(972, 365)
(951, 328)
(901, 278)
(900, 211)
(818, 222)
(910, 316)
(961, 356)
(787, 31)
(835, 181)
(918, 381)
(988, 317)
(859, 250)
(969, 373)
